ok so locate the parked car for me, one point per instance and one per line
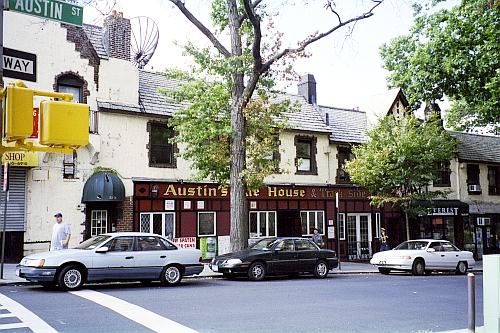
(127, 256)
(424, 256)
(284, 255)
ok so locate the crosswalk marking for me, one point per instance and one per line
(7, 315)
(28, 318)
(134, 312)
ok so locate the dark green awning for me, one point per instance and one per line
(103, 187)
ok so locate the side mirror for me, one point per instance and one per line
(431, 249)
(103, 249)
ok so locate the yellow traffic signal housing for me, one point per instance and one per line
(64, 124)
(18, 115)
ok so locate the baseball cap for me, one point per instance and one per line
(58, 214)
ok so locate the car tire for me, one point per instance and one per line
(171, 275)
(461, 268)
(384, 271)
(70, 278)
(418, 267)
(320, 269)
(257, 271)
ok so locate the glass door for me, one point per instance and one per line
(359, 236)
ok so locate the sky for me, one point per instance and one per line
(347, 66)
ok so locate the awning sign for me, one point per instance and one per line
(20, 158)
(446, 211)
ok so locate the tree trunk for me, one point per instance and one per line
(407, 225)
(238, 202)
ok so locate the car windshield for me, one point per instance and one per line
(93, 242)
(411, 245)
(264, 244)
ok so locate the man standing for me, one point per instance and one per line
(61, 232)
(317, 238)
(383, 240)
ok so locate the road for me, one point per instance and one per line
(340, 303)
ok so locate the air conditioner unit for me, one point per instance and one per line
(483, 221)
(474, 188)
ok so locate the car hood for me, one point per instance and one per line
(241, 254)
(57, 254)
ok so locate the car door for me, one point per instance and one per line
(307, 255)
(436, 259)
(284, 259)
(452, 255)
(150, 256)
(118, 263)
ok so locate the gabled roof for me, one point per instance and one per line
(477, 148)
(379, 105)
(346, 125)
(96, 37)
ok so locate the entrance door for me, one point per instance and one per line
(289, 224)
(359, 236)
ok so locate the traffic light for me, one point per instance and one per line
(64, 124)
(18, 114)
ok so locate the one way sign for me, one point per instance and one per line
(19, 65)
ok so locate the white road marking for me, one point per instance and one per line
(134, 312)
(7, 315)
(28, 318)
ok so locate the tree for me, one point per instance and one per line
(399, 161)
(234, 94)
(453, 53)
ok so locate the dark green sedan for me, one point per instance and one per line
(277, 256)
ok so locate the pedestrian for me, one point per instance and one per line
(61, 233)
(317, 238)
(383, 240)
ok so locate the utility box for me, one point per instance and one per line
(18, 115)
(64, 124)
(491, 293)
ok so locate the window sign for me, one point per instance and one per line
(169, 204)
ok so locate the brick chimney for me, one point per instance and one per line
(307, 88)
(117, 31)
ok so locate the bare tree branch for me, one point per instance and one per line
(330, 4)
(218, 45)
(304, 44)
(244, 15)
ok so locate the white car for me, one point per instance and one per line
(424, 256)
(126, 256)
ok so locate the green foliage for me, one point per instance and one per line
(105, 169)
(453, 53)
(398, 161)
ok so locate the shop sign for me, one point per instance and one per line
(20, 158)
(185, 242)
(446, 211)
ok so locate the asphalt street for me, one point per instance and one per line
(340, 303)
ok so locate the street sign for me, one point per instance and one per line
(19, 65)
(49, 9)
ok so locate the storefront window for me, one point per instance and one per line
(311, 220)
(262, 224)
(449, 231)
(425, 228)
(437, 227)
(342, 226)
(206, 223)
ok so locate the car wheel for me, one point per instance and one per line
(384, 271)
(418, 267)
(257, 271)
(70, 278)
(461, 268)
(171, 276)
(320, 269)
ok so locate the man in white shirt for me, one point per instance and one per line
(61, 232)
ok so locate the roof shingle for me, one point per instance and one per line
(479, 148)
(346, 125)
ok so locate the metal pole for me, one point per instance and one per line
(471, 308)
(1, 129)
(5, 195)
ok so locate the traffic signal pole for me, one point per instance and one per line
(1, 136)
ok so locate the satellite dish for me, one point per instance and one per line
(143, 40)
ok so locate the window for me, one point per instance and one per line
(98, 222)
(493, 180)
(310, 220)
(69, 166)
(72, 84)
(168, 245)
(161, 150)
(341, 226)
(438, 246)
(305, 155)
(262, 224)
(305, 245)
(344, 155)
(150, 243)
(472, 174)
(158, 223)
(286, 245)
(206, 223)
(377, 225)
(121, 244)
(443, 173)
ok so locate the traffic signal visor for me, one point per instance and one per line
(64, 124)
(18, 115)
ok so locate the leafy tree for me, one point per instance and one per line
(398, 161)
(453, 53)
(231, 125)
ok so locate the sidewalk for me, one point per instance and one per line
(10, 277)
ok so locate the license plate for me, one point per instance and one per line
(18, 271)
(215, 268)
